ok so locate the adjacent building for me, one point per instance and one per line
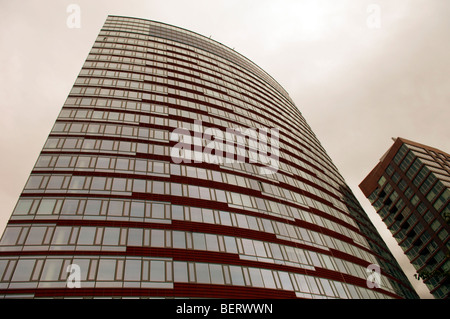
(410, 189)
(179, 168)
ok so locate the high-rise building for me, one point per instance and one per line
(179, 168)
(410, 189)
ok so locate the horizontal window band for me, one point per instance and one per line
(218, 168)
(210, 184)
(188, 255)
(206, 124)
(210, 125)
(185, 201)
(259, 115)
(186, 290)
(109, 138)
(105, 122)
(268, 104)
(216, 205)
(247, 68)
(189, 226)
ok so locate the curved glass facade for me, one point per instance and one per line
(179, 168)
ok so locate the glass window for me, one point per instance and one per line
(443, 235)
(177, 212)
(43, 161)
(88, 144)
(180, 271)
(242, 221)
(51, 143)
(122, 164)
(157, 238)
(157, 270)
(107, 145)
(132, 270)
(327, 287)
(127, 130)
(414, 200)
(276, 252)
(86, 236)
(106, 269)
(93, 207)
(77, 182)
(208, 216)
(340, 289)
(63, 161)
(36, 235)
(175, 169)
(143, 132)
(434, 191)
(137, 209)
(285, 281)
(158, 210)
(259, 248)
(248, 247)
(52, 269)
(140, 166)
(93, 128)
(61, 235)
(196, 214)
(204, 193)
(10, 236)
(115, 208)
(216, 274)
(312, 285)
(98, 183)
(158, 187)
(202, 273)
(103, 162)
(217, 177)
(111, 236)
(255, 276)
(199, 241)
(193, 191)
(301, 280)
(225, 218)
(23, 207)
(124, 146)
(139, 185)
(382, 180)
(179, 240)
(237, 278)
(55, 182)
(70, 207)
(34, 182)
(135, 236)
(435, 225)
(260, 204)
(70, 143)
(211, 242)
(267, 276)
(119, 184)
(220, 195)
(46, 206)
(176, 189)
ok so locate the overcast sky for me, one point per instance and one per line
(361, 72)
